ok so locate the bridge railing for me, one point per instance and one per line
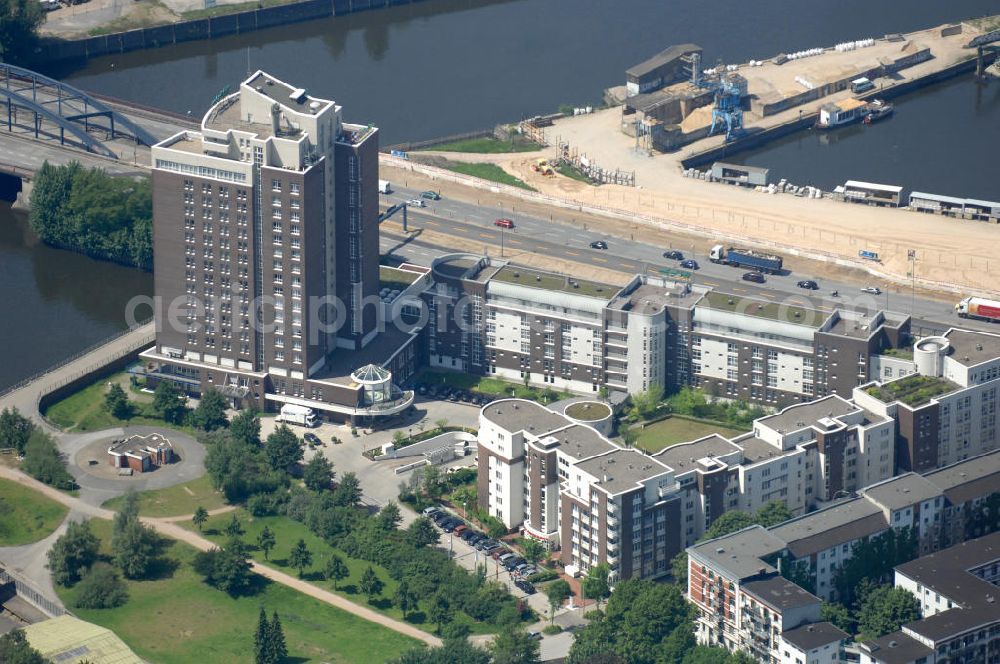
(73, 358)
(30, 594)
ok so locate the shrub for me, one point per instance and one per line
(101, 588)
(551, 629)
(267, 504)
(43, 462)
(543, 575)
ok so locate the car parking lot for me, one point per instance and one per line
(470, 547)
(455, 395)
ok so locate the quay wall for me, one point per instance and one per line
(54, 50)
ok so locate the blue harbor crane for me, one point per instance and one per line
(728, 110)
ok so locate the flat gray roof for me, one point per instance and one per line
(779, 593)
(971, 348)
(802, 415)
(663, 57)
(897, 648)
(814, 635)
(902, 491)
(684, 456)
(738, 555)
(581, 442)
(741, 167)
(622, 470)
(755, 449)
(523, 415)
(829, 527)
(970, 479)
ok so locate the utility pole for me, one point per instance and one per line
(911, 255)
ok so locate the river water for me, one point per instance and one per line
(448, 66)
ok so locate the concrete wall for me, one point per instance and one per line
(205, 28)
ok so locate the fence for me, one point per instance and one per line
(28, 592)
(580, 161)
(747, 224)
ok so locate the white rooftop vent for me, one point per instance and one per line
(314, 106)
(298, 94)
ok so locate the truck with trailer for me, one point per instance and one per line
(980, 308)
(300, 415)
(751, 258)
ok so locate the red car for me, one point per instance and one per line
(504, 223)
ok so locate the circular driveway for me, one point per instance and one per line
(100, 482)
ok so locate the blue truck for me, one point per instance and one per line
(737, 257)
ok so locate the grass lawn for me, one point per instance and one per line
(176, 500)
(490, 172)
(84, 410)
(287, 533)
(674, 430)
(574, 173)
(193, 622)
(484, 385)
(488, 145)
(25, 515)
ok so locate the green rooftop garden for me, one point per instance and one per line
(913, 390)
(588, 411)
(901, 353)
(394, 278)
(546, 281)
(764, 309)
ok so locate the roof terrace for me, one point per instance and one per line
(914, 390)
(776, 311)
(516, 274)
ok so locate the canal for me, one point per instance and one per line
(447, 66)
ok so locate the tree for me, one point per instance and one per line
(873, 559)
(211, 411)
(630, 435)
(729, 522)
(405, 598)
(134, 549)
(234, 528)
(422, 532)
(283, 448)
(643, 622)
(558, 592)
(440, 612)
(266, 541)
(679, 569)
(301, 557)
(772, 513)
(15, 429)
(262, 639)
(370, 584)
(839, 615)
(43, 461)
(116, 402)
(348, 492)
(512, 646)
(15, 649)
(168, 402)
(228, 569)
(433, 486)
(199, 517)
(884, 609)
(441, 423)
(101, 588)
(595, 584)
(73, 553)
(398, 437)
(646, 402)
(245, 427)
(454, 651)
(277, 651)
(336, 570)
(388, 517)
(532, 550)
(318, 473)
(19, 22)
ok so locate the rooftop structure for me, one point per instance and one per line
(763, 309)
(69, 640)
(522, 276)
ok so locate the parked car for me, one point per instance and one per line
(872, 290)
(512, 563)
(525, 587)
(808, 284)
(504, 222)
(500, 553)
(673, 255)
(598, 244)
(689, 264)
(312, 439)
(460, 528)
(534, 636)
(429, 511)
(449, 526)
(430, 195)
(416, 202)
(755, 277)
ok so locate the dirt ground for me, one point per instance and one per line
(569, 188)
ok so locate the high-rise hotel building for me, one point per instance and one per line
(266, 257)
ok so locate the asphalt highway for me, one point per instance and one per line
(630, 255)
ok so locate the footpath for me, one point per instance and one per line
(168, 527)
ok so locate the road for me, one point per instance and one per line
(471, 222)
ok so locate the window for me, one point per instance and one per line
(276, 185)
